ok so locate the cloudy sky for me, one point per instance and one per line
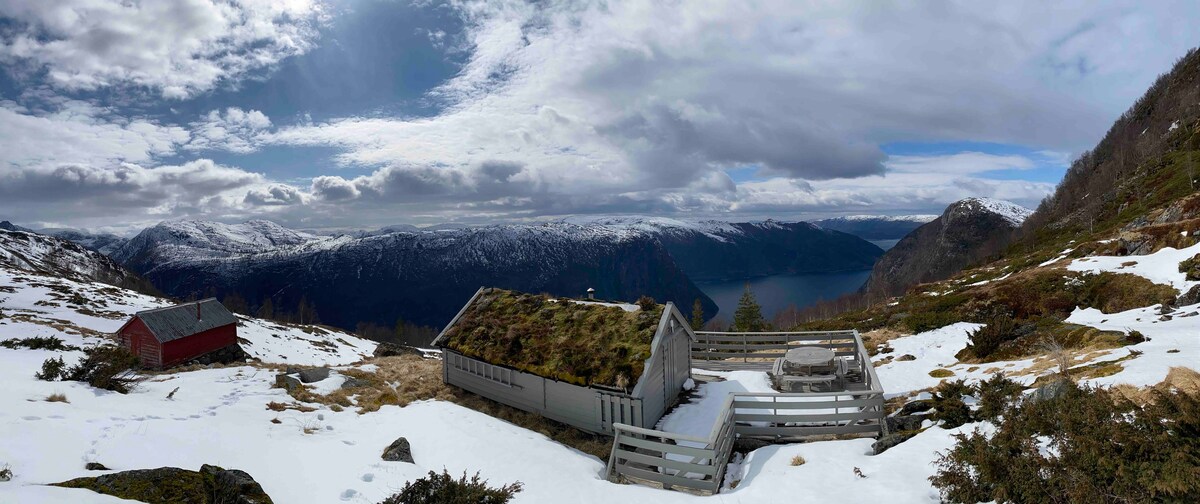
(116, 114)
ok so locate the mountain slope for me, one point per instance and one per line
(190, 239)
(715, 250)
(55, 256)
(965, 233)
(104, 243)
(421, 277)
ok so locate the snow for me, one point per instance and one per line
(1181, 333)
(1174, 126)
(624, 306)
(1161, 267)
(1015, 214)
(698, 417)
(933, 350)
(1060, 257)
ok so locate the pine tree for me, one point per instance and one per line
(748, 316)
(697, 315)
(267, 310)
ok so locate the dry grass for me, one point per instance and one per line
(278, 406)
(57, 397)
(798, 461)
(1178, 378)
(941, 373)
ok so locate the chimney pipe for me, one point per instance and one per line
(197, 310)
(591, 293)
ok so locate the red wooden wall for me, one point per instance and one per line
(136, 337)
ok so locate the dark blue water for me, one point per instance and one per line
(775, 293)
(885, 244)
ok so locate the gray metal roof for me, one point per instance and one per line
(180, 321)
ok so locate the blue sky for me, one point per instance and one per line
(362, 114)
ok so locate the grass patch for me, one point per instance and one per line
(1191, 268)
(574, 342)
(798, 461)
(941, 373)
(37, 343)
(57, 397)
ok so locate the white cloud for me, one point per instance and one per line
(234, 130)
(179, 47)
(80, 133)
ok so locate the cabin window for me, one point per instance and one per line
(497, 374)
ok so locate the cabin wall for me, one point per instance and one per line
(185, 349)
(670, 367)
(138, 339)
(573, 405)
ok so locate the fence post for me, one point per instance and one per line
(745, 349)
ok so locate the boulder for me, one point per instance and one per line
(398, 451)
(287, 382)
(1190, 297)
(898, 423)
(95, 466)
(352, 382)
(886, 442)
(314, 374)
(906, 357)
(395, 349)
(1052, 390)
(914, 407)
(232, 486)
(172, 485)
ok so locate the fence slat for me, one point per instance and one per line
(668, 448)
(651, 460)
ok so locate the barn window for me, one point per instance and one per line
(497, 374)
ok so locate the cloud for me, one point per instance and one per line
(274, 195)
(234, 130)
(178, 47)
(80, 133)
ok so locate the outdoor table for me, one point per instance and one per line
(808, 358)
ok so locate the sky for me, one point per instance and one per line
(118, 114)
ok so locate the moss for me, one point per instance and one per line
(167, 485)
(941, 373)
(1191, 268)
(579, 343)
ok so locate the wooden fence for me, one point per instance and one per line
(673, 461)
(730, 351)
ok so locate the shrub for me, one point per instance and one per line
(927, 321)
(798, 461)
(1191, 268)
(52, 369)
(1087, 445)
(37, 343)
(995, 395)
(445, 489)
(949, 406)
(106, 367)
(986, 340)
(57, 397)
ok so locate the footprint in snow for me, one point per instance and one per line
(31, 418)
(368, 477)
(350, 493)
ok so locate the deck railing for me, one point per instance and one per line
(674, 461)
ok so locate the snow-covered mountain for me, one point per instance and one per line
(194, 239)
(876, 227)
(104, 243)
(966, 232)
(55, 256)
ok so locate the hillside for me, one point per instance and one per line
(968, 231)
(34, 252)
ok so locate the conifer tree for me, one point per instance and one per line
(267, 310)
(697, 315)
(748, 316)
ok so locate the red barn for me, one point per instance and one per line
(167, 336)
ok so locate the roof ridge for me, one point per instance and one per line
(180, 305)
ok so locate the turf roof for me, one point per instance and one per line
(579, 343)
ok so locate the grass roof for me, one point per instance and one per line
(579, 343)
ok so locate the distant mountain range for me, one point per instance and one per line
(876, 227)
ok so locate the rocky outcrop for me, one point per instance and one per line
(967, 232)
(172, 485)
(386, 349)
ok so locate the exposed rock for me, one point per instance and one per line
(352, 382)
(914, 407)
(5, 473)
(230, 354)
(887, 442)
(287, 382)
(314, 374)
(95, 466)
(1052, 390)
(398, 451)
(1190, 297)
(906, 357)
(898, 423)
(172, 485)
(386, 349)
(233, 486)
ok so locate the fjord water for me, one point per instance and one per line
(776, 292)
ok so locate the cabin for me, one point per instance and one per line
(164, 337)
(582, 362)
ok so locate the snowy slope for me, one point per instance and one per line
(1013, 213)
(50, 255)
(1161, 267)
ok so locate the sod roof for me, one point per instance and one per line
(583, 343)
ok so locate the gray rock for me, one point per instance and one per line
(1190, 297)
(292, 369)
(898, 423)
(314, 374)
(906, 357)
(352, 382)
(287, 382)
(5, 474)
(887, 442)
(914, 407)
(1052, 390)
(95, 466)
(398, 451)
(395, 349)
(233, 486)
